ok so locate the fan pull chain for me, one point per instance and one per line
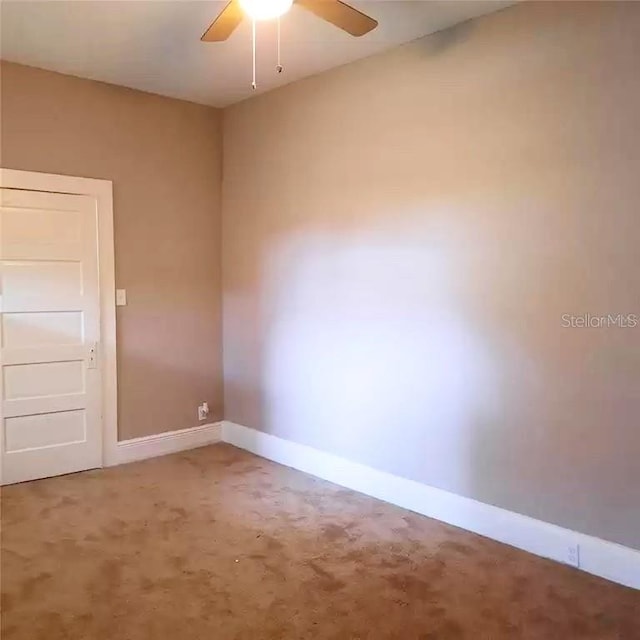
(253, 45)
(279, 65)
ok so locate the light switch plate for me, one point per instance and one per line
(121, 297)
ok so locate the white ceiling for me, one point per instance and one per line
(154, 45)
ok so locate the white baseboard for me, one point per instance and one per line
(162, 444)
(605, 559)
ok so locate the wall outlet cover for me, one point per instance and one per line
(203, 411)
(573, 555)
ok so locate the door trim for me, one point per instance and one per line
(102, 192)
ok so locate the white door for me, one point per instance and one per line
(50, 326)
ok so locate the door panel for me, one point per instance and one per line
(45, 430)
(31, 284)
(41, 329)
(43, 379)
(49, 307)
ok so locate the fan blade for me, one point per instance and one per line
(225, 24)
(341, 15)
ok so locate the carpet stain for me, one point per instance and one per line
(324, 579)
(217, 544)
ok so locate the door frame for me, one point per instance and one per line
(102, 192)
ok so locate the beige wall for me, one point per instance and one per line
(164, 158)
(402, 237)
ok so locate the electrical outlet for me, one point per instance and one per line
(573, 555)
(203, 411)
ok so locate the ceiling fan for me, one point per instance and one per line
(336, 12)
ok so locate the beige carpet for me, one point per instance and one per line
(218, 544)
